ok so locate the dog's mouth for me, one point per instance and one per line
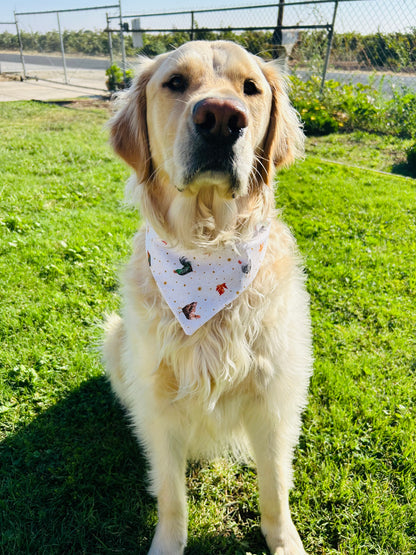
(215, 167)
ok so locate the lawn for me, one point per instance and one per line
(72, 478)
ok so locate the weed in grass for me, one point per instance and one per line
(72, 477)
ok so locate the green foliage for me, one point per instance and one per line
(256, 42)
(9, 41)
(392, 51)
(351, 107)
(400, 113)
(82, 42)
(115, 78)
(396, 51)
(87, 42)
(154, 45)
(309, 51)
(316, 115)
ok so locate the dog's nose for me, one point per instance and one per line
(220, 119)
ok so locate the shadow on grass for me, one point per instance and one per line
(82, 103)
(74, 481)
(403, 168)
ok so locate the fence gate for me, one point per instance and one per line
(50, 53)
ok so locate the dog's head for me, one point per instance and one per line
(207, 114)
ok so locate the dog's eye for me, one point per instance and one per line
(250, 88)
(177, 83)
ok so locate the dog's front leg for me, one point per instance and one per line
(168, 463)
(273, 442)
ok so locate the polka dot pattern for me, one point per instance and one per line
(198, 285)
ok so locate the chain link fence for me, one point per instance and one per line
(7, 29)
(347, 40)
(44, 46)
(375, 40)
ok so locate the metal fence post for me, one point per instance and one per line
(22, 59)
(62, 48)
(192, 25)
(328, 49)
(279, 50)
(110, 40)
(123, 46)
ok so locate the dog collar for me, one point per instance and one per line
(198, 285)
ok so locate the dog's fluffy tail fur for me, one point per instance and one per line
(112, 350)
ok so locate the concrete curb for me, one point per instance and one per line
(12, 90)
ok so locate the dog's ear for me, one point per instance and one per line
(284, 140)
(128, 127)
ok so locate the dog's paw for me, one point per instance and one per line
(158, 548)
(167, 541)
(283, 539)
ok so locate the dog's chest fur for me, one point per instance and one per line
(239, 349)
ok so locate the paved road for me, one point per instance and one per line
(54, 61)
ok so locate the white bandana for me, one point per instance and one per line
(198, 285)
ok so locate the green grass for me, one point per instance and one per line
(385, 153)
(73, 479)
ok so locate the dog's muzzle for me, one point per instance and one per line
(218, 123)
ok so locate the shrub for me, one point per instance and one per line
(115, 78)
(388, 51)
(316, 112)
(315, 117)
(353, 107)
(396, 51)
(401, 113)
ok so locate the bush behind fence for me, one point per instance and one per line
(350, 51)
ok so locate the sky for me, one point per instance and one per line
(366, 16)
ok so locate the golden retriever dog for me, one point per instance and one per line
(226, 367)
